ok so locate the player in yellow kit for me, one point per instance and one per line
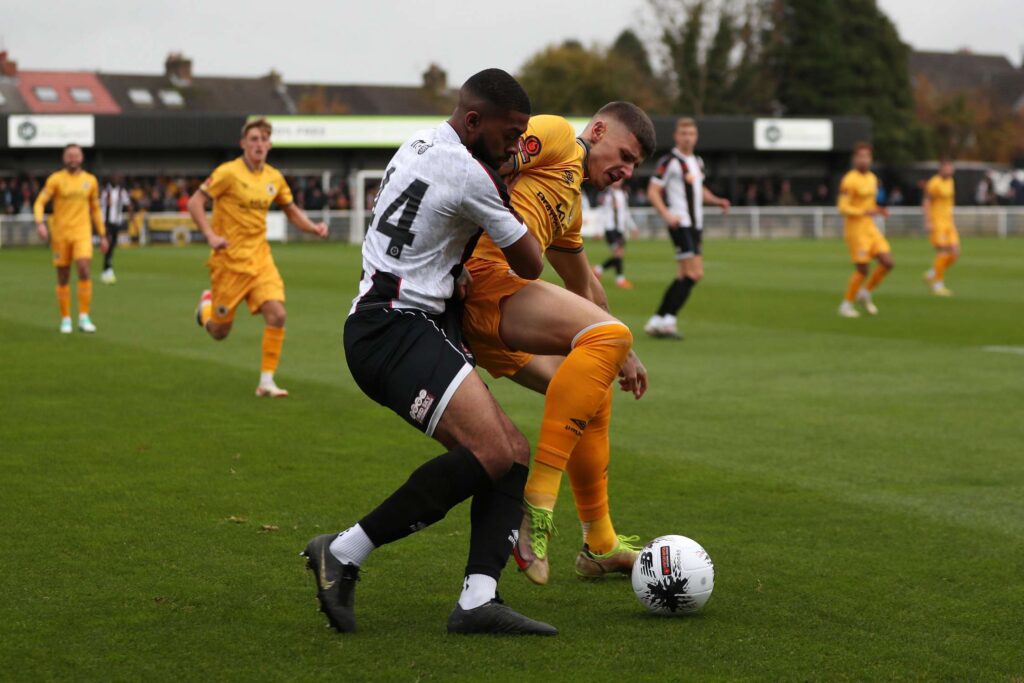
(75, 195)
(562, 343)
(858, 205)
(937, 206)
(241, 266)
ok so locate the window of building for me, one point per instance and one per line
(172, 98)
(45, 93)
(81, 95)
(140, 97)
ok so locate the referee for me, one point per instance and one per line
(677, 191)
(114, 201)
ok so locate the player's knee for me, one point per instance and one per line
(275, 317)
(518, 448)
(696, 275)
(218, 332)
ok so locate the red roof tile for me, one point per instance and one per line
(62, 82)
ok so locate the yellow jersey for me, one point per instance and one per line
(75, 196)
(940, 192)
(858, 194)
(241, 199)
(548, 172)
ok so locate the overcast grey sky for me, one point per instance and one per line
(392, 42)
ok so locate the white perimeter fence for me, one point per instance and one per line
(740, 223)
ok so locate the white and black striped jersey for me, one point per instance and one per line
(682, 176)
(113, 201)
(615, 210)
(434, 202)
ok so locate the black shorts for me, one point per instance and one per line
(405, 360)
(614, 238)
(687, 242)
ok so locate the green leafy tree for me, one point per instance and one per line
(572, 80)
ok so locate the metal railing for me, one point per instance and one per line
(741, 223)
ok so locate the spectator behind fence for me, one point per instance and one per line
(786, 196)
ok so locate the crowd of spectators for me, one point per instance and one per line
(168, 193)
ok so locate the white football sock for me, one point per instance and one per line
(478, 589)
(266, 378)
(655, 320)
(599, 270)
(352, 546)
(931, 273)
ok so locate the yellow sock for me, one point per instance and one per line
(876, 277)
(64, 300)
(273, 340)
(578, 389)
(84, 296)
(588, 474)
(853, 286)
(542, 486)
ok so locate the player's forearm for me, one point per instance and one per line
(39, 207)
(197, 209)
(299, 219)
(658, 202)
(97, 222)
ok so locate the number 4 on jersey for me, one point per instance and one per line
(400, 233)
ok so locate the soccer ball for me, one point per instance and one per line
(673, 575)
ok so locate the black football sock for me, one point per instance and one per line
(108, 258)
(609, 262)
(668, 301)
(686, 286)
(619, 265)
(433, 489)
(495, 517)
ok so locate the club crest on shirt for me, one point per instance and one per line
(85, 184)
(270, 188)
(569, 178)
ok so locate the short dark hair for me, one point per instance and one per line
(70, 145)
(635, 120)
(499, 89)
(858, 146)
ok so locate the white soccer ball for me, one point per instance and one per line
(673, 575)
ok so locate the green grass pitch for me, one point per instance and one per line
(858, 483)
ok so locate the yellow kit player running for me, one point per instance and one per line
(937, 206)
(858, 205)
(580, 347)
(241, 267)
(75, 195)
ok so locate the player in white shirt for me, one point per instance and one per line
(677, 191)
(403, 346)
(618, 221)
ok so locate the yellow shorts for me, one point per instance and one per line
(67, 251)
(866, 244)
(493, 282)
(944, 236)
(230, 288)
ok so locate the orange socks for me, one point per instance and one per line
(876, 277)
(542, 486)
(943, 260)
(84, 296)
(206, 312)
(588, 474)
(578, 389)
(273, 340)
(64, 300)
(853, 286)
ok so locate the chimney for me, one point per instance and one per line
(435, 80)
(8, 68)
(178, 68)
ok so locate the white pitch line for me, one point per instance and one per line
(1019, 350)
